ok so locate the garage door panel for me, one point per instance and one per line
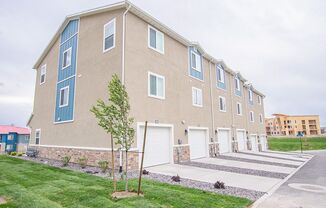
(263, 142)
(254, 144)
(224, 141)
(197, 142)
(158, 144)
(241, 138)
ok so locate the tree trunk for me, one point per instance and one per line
(126, 170)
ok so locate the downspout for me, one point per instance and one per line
(232, 118)
(211, 95)
(123, 67)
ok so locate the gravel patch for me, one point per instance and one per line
(224, 157)
(275, 157)
(232, 191)
(236, 169)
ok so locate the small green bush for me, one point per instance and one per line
(65, 160)
(13, 153)
(82, 162)
(20, 154)
(103, 165)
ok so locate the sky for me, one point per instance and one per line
(278, 45)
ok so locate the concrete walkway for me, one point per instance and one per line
(240, 164)
(256, 183)
(309, 195)
(280, 156)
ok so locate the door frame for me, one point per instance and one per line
(206, 139)
(230, 138)
(140, 138)
(245, 137)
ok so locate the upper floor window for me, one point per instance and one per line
(250, 96)
(10, 137)
(251, 116)
(220, 74)
(197, 97)
(259, 99)
(109, 35)
(43, 74)
(66, 58)
(37, 136)
(64, 96)
(156, 86)
(155, 39)
(237, 83)
(261, 118)
(195, 61)
(239, 109)
(222, 104)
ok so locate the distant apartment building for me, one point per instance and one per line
(291, 125)
(13, 139)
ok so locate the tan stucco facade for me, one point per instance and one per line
(95, 69)
(291, 125)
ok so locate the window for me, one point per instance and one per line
(37, 136)
(251, 114)
(239, 109)
(64, 96)
(9, 147)
(109, 36)
(237, 83)
(43, 74)
(259, 99)
(250, 95)
(156, 86)
(195, 61)
(222, 104)
(261, 118)
(10, 137)
(155, 39)
(66, 58)
(220, 74)
(197, 97)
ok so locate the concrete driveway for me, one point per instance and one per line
(247, 170)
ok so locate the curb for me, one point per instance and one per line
(276, 186)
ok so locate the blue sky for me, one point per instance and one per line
(279, 45)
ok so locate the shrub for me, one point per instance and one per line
(20, 154)
(219, 185)
(66, 160)
(145, 172)
(103, 165)
(176, 178)
(82, 161)
(13, 153)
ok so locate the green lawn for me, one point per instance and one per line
(292, 144)
(32, 185)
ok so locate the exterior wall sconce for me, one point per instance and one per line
(215, 131)
(186, 131)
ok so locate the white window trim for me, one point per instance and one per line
(237, 86)
(149, 85)
(44, 66)
(68, 91)
(114, 31)
(194, 104)
(149, 40)
(199, 70)
(224, 103)
(251, 96)
(239, 114)
(259, 99)
(253, 117)
(63, 55)
(222, 72)
(39, 140)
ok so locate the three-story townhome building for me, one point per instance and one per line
(196, 106)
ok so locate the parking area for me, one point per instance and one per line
(258, 171)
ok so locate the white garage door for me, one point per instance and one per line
(254, 145)
(197, 142)
(158, 143)
(224, 141)
(241, 138)
(263, 142)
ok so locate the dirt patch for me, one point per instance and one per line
(124, 194)
(3, 200)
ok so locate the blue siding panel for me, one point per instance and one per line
(192, 72)
(67, 75)
(65, 113)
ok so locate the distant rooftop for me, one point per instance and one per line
(5, 129)
(279, 114)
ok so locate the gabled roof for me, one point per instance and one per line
(141, 14)
(6, 129)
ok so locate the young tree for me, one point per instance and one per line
(114, 117)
